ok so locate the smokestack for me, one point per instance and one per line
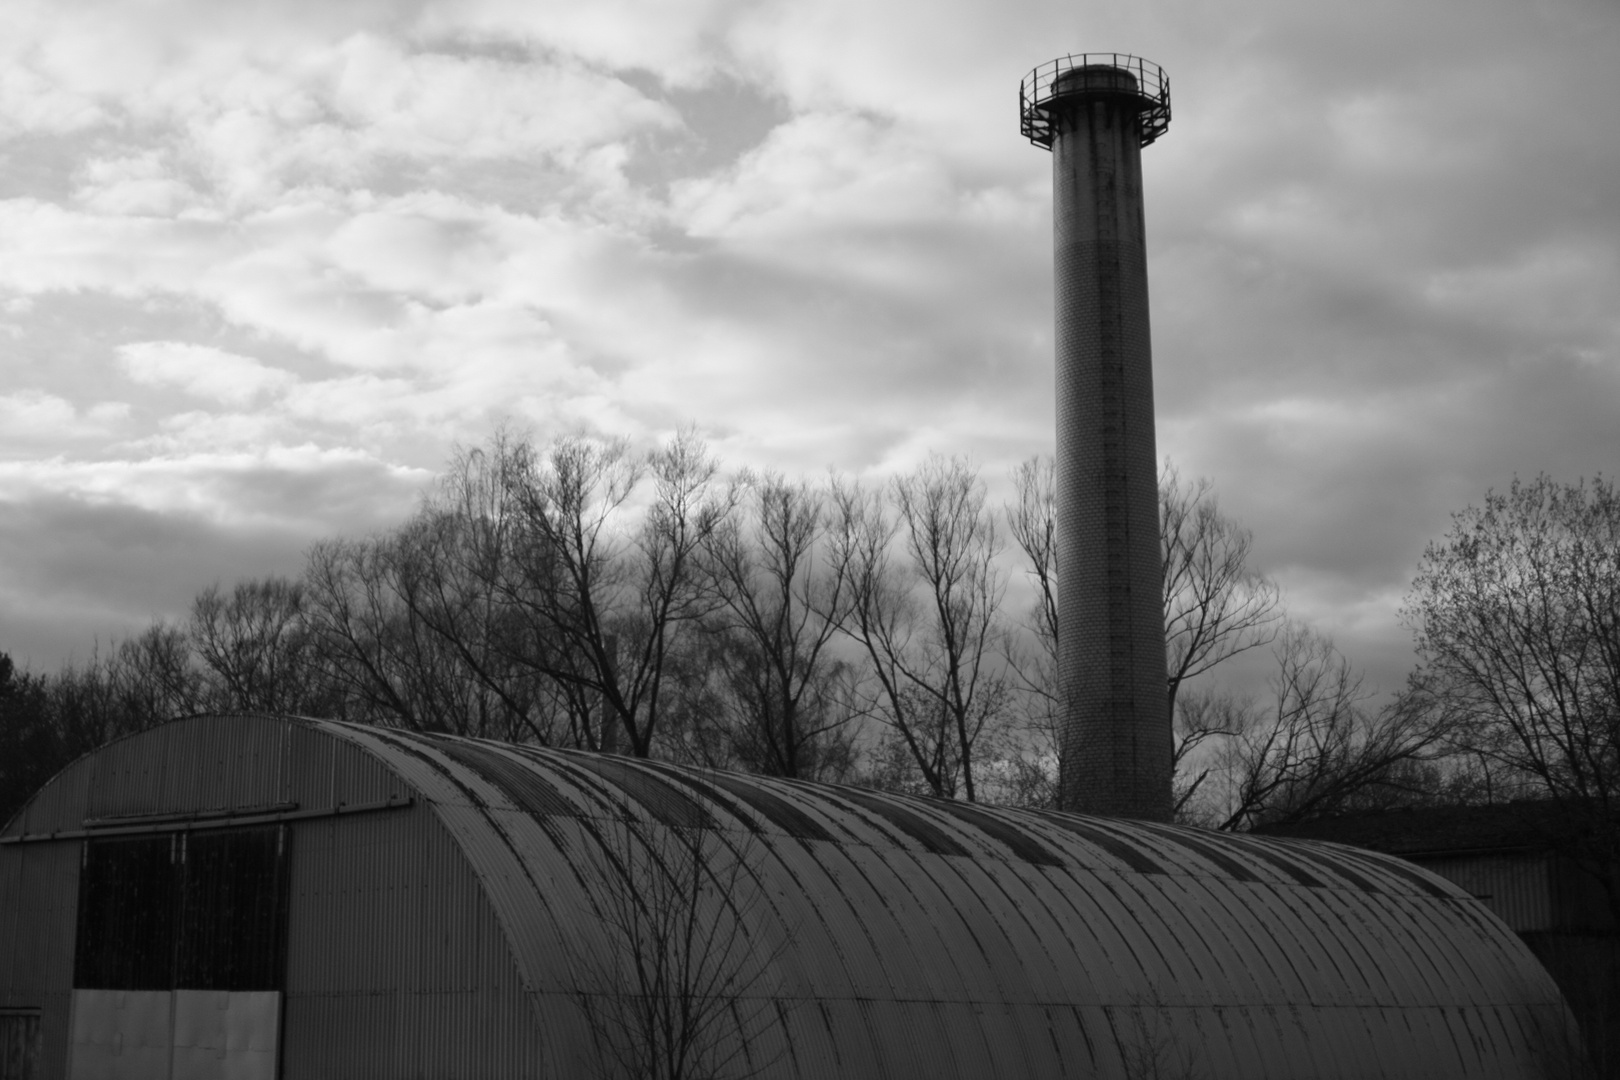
(1095, 112)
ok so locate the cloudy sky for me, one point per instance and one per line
(262, 265)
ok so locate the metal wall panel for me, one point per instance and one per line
(342, 1037)
(19, 1044)
(36, 940)
(62, 799)
(319, 770)
(54, 1033)
(222, 1033)
(120, 1035)
(396, 964)
(16, 985)
(126, 775)
(230, 762)
(1516, 888)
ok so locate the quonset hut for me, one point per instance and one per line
(266, 896)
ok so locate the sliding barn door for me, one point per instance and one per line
(180, 956)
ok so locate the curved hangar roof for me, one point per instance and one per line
(451, 908)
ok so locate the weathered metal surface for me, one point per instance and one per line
(221, 1033)
(38, 887)
(19, 1044)
(61, 797)
(120, 1035)
(397, 965)
(905, 938)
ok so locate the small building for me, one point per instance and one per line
(267, 896)
(1520, 860)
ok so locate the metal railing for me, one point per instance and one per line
(1093, 74)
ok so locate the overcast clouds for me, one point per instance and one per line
(262, 265)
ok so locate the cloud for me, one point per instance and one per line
(1558, 289)
(302, 488)
(840, 170)
(201, 371)
(682, 41)
(137, 185)
(32, 418)
(30, 102)
(428, 104)
(94, 549)
(110, 568)
(434, 246)
(257, 111)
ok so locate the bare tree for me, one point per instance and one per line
(1317, 745)
(436, 568)
(389, 666)
(571, 579)
(526, 599)
(1032, 521)
(673, 593)
(930, 625)
(47, 721)
(775, 677)
(84, 707)
(153, 677)
(687, 988)
(1216, 604)
(455, 563)
(136, 684)
(421, 623)
(31, 747)
(615, 606)
(256, 643)
(1204, 720)
(1516, 614)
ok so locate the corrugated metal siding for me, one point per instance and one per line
(1579, 902)
(36, 952)
(15, 988)
(396, 964)
(62, 798)
(36, 938)
(1517, 888)
(910, 938)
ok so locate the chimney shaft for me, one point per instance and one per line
(1095, 112)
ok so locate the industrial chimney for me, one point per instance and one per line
(1095, 112)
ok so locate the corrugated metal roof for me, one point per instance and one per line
(905, 936)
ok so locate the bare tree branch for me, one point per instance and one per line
(1516, 614)
(771, 659)
(1316, 746)
(257, 643)
(931, 625)
(686, 989)
(1216, 605)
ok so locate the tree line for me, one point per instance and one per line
(579, 593)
